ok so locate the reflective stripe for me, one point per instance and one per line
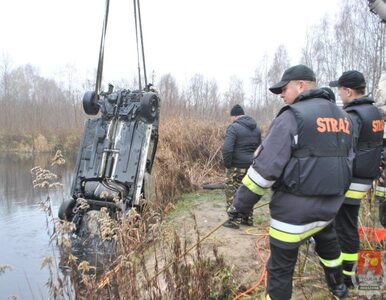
(381, 189)
(294, 233)
(350, 256)
(359, 187)
(348, 273)
(290, 228)
(331, 262)
(357, 190)
(380, 194)
(290, 237)
(252, 186)
(355, 195)
(258, 179)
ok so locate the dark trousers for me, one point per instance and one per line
(281, 264)
(346, 226)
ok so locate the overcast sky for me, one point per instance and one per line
(217, 38)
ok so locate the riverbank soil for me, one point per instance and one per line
(245, 250)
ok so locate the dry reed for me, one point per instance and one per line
(112, 262)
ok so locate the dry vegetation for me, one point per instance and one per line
(113, 262)
(138, 257)
(189, 153)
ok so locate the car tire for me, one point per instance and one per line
(65, 210)
(90, 107)
(149, 107)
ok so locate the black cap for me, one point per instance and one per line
(299, 72)
(350, 79)
(237, 110)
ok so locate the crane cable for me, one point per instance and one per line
(138, 27)
(142, 44)
(101, 53)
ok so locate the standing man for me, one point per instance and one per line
(380, 191)
(242, 138)
(305, 158)
(368, 127)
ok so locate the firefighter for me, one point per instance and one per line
(242, 138)
(368, 128)
(380, 196)
(380, 191)
(305, 159)
(380, 184)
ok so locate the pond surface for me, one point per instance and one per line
(23, 229)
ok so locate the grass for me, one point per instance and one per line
(190, 200)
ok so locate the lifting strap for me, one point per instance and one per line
(138, 30)
(101, 53)
(138, 27)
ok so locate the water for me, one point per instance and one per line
(24, 241)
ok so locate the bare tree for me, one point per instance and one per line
(320, 53)
(360, 41)
(170, 94)
(279, 64)
(259, 84)
(235, 93)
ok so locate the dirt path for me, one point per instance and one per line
(238, 246)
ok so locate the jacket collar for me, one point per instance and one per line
(312, 94)
(362, 100)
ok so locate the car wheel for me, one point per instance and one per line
(65, 210)
(89, 105)
(149, 107)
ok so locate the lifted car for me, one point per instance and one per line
(116, 151)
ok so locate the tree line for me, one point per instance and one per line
(354, 39)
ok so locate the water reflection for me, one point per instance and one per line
(23, 233)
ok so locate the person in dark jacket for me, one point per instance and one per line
(242, 138)
(380, 185)
(368, 126)
(306, 160)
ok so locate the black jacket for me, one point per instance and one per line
(368, 134)
(319, 164)
(242, 138)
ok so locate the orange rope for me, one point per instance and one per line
(263, 260)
